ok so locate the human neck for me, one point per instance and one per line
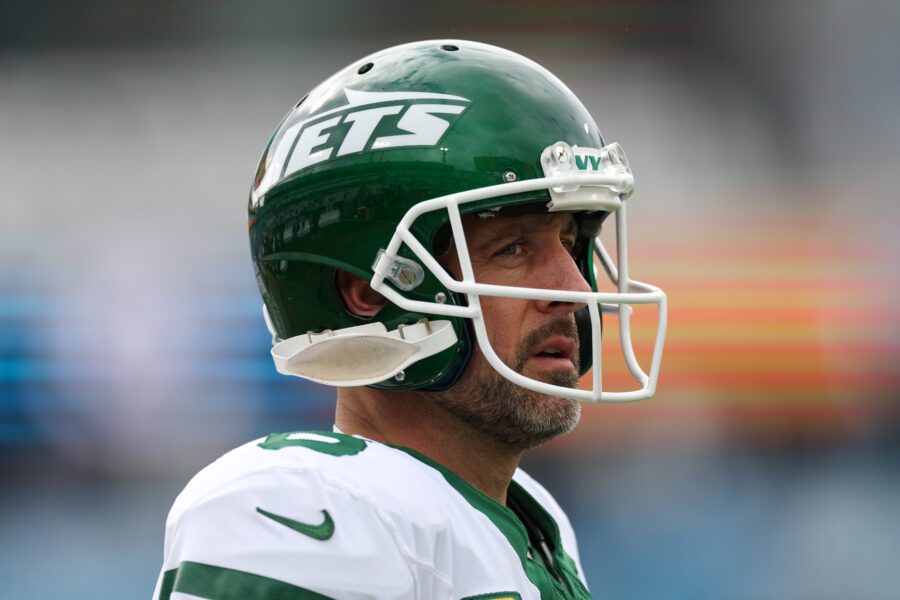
(407, 419)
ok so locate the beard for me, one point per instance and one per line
(507, 413)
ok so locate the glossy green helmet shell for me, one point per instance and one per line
(404, 125)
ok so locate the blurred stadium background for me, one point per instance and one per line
(763, 136)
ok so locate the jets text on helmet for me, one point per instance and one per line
(320, 137)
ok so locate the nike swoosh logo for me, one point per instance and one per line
(322, 531)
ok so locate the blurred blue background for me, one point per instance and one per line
(763, 136)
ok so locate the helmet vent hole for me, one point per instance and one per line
(365, 68)
(301, 101)
(449, 48)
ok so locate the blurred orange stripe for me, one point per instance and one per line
(748, 297)
(767, 364)
(821, 410)
(785, 380)
(771, 332)
(788, 347)
(714, 270)
(786, 223)
(669, 410)
(850, 285)
(846, 315)
(751, 250)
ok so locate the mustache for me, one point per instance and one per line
(564, 327)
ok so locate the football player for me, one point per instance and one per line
(424, 228)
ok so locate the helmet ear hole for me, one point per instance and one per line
(359, 298)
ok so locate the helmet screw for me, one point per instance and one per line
(406, 276)
(400, 376)
(440, 297)
(509, 176)
(561, 154)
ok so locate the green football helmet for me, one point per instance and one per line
(370, 173)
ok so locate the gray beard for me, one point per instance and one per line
(510, 414)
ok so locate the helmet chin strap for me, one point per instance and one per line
(360, 355)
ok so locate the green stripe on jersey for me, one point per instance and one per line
(513, 530)
(218, 583)
(326, 442)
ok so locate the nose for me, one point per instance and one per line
(558, 271)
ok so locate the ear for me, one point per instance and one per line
(359, 297)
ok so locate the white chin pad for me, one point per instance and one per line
(360, 355)
(347, 359)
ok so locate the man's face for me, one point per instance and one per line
(536, 338)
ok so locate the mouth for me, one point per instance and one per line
(555, 353)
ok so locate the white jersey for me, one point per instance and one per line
(327, 515)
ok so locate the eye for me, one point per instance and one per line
(568, 244)
(513, 249)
